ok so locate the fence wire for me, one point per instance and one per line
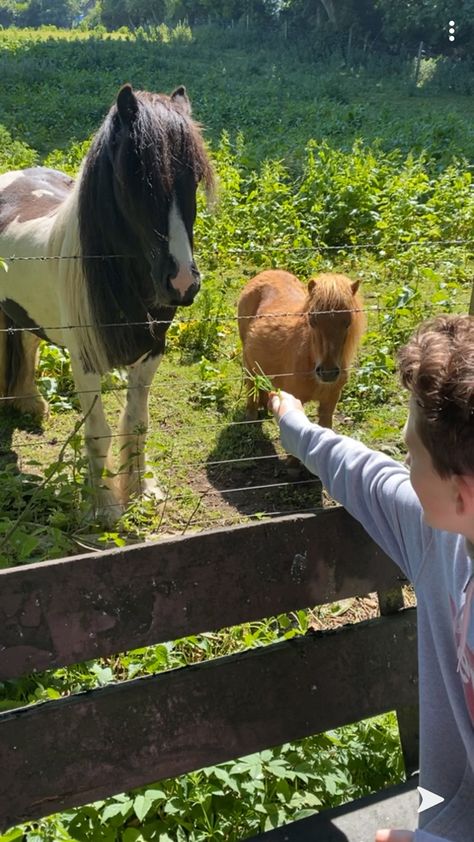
(212, 491)
(151, 323)
(241, 251)
(124, 388)
(251, 423)
(263, 249)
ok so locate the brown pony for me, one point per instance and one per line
(304, 339)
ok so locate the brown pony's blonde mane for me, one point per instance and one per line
(332, 292)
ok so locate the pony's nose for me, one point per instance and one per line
(192, 290)
(182, 284)
(327, 375)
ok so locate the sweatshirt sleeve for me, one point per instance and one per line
(424, 836)
(375, 489)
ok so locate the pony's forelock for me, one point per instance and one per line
(335, 292)
(181, 146)
(331, 292)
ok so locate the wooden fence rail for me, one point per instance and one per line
(62, 612)
(74, 750)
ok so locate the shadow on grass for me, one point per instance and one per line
(252, 476)
(35, 514)
(10, 421)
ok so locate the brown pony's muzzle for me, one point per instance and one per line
(327, 375)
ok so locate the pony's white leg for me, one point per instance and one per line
(133, 429)
(97, 436)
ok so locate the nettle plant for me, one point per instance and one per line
(56, 381)
(41, 507)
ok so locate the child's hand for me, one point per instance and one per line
(281, 402)
(394, 836)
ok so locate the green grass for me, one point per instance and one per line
(279, 97)
(313, 158)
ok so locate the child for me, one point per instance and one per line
(423, 517)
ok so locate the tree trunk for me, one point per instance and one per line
(330, 10)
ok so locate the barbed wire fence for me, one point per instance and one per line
(235, 461)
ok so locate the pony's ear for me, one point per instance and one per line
(181, 99)
(311, 285)
(127, 104)
(355, 286)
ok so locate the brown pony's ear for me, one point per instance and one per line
(311, 285)
(127, 104)
(181, 99)
(355, 286)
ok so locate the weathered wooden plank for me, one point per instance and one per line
(88, 746)
(408, 718)
(62, 612)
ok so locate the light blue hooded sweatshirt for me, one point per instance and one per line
(377, 491)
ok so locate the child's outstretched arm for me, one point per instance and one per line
(374, 488)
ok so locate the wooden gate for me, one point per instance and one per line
(71, 751)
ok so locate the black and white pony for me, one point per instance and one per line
(129, 220)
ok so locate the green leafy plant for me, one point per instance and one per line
(56, 381)
(214, 384)
(259, 382)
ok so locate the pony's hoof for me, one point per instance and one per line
(35, 406)
(108, 514)
(145, 487)
(107, 508)
(152, 491)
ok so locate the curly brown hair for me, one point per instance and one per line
(437, 367)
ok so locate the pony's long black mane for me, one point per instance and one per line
(135, 162)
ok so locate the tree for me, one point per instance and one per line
(340, 15)
(9, 12)
(38, 12)
(407, 22)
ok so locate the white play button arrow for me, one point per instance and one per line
(428, 799)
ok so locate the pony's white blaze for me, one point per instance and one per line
(180, 249)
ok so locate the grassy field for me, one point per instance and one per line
(321, 166)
